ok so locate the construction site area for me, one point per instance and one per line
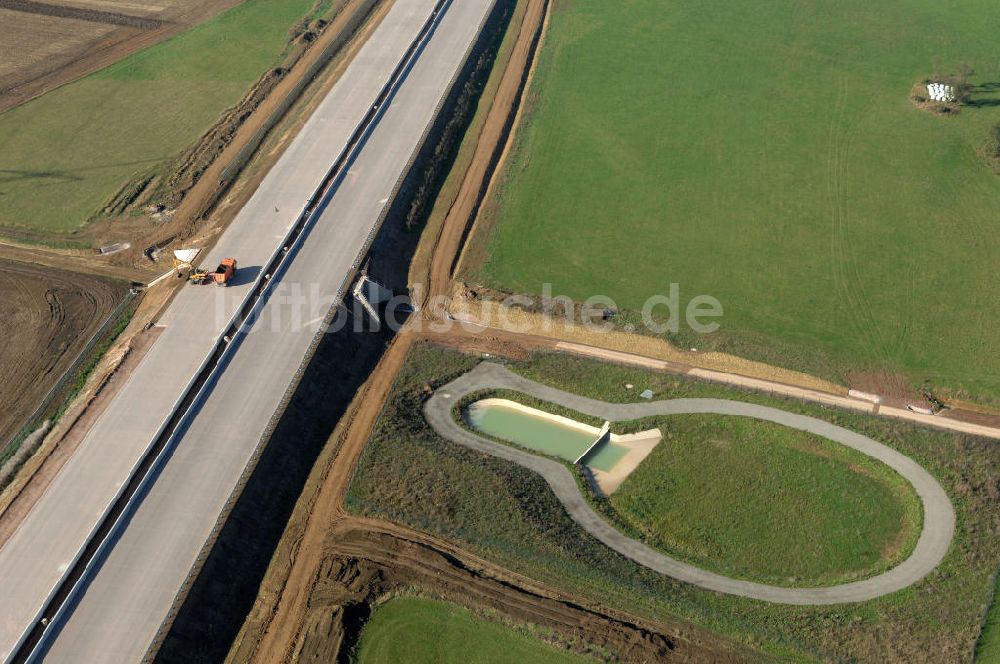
(373, 150)
(66, 285)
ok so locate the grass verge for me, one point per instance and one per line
(988, 645)
(428, 631)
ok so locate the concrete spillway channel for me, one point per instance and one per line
(96, 607)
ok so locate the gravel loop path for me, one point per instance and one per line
(933, 544)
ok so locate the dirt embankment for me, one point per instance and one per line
(46, 318)
(375, 559)
(436, 258)
(205, 171)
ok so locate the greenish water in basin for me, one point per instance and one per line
(606, 456)
(537, 432)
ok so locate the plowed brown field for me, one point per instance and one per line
(46, 318)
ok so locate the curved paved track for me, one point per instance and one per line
(939, 516)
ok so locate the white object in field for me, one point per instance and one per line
(186, 255)
(919, 409)
(646, 394)
(169, 273)
(941, 92)
(109, 249)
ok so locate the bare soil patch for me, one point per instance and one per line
(446, 238)
(46, 318)
(894, 388)
(52, 44)
(83, 14)
(376, 559)
(33, 41)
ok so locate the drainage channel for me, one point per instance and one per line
(73, 582)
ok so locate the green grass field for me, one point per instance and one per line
(69, 151)
(757, 500)
(988, 647)
(768, 154)
(425, 631)
(506, 513)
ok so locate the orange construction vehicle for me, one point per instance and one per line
(222, 275)
(225, 272)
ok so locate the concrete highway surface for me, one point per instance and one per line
(931, 548)
(127, 598)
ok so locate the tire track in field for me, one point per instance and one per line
(847, 277)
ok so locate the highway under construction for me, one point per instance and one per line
(93, 570)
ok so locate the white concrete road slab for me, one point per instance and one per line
(34, 558)
(125, 603)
